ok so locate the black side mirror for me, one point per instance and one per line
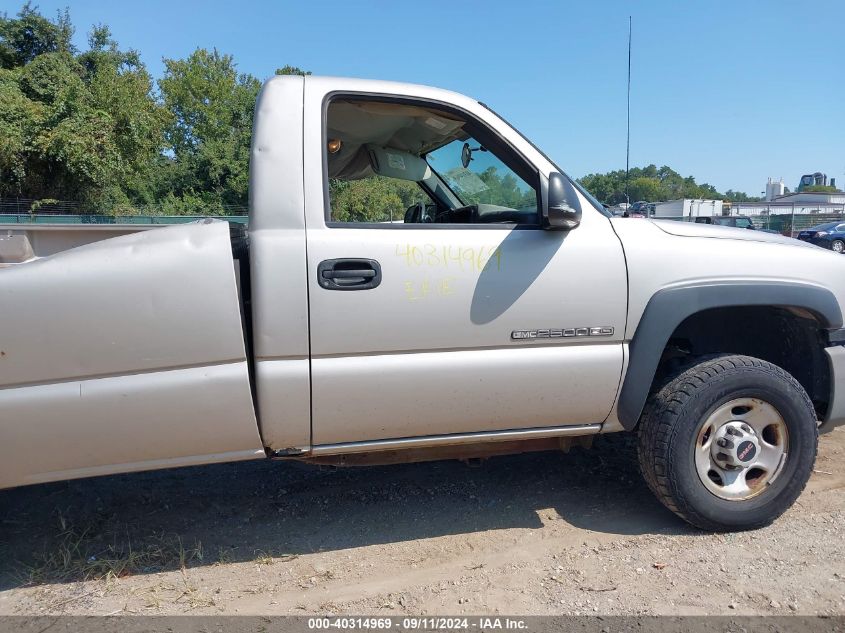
(562, 208)
(466, 155)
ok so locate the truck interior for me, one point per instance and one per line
(435, 166)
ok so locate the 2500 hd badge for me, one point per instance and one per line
(562, 333)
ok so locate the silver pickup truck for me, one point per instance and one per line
(501, 311)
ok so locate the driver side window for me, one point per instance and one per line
(402, 163)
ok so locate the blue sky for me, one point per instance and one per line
(730, 92)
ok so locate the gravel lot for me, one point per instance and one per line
(530, 534)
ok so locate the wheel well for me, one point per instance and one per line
(791, 338)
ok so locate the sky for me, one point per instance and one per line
(728, 91)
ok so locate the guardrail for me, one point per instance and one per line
(16, 206)
(51, 218)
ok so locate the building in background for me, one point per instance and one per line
(812, 198)
(774, 188)
(817, 179)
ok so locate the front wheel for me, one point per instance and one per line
(838, 246)
(728, 444)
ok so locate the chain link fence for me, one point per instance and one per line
(790, 218)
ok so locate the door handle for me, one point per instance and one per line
(349, 274)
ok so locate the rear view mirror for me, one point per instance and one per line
(466, 155)
(562, 208)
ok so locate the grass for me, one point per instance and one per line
(268, 558)
(263, 558)
(84, 554)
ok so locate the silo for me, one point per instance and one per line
(774, 189)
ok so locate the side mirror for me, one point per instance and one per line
(562, 208)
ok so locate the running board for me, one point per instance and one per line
(454, 439)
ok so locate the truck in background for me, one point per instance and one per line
(686, 208)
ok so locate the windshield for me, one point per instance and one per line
(743, 223)
(477, 176)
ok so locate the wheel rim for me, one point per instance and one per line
(838, 246)
(741, 448)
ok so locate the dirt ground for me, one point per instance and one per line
(549, 533)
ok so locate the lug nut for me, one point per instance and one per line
(746, 428)
(725, 443)
(722, 457)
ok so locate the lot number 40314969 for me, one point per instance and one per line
(465, 258)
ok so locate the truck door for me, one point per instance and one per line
(437, 303)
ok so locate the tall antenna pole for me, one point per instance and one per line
(628, 140)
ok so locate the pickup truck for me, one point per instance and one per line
(468, 300)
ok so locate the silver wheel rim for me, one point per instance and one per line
(741, 448)
(838, 246)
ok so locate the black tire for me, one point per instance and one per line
(668, 432)
(837, 246)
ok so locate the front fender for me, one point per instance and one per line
(668, 308)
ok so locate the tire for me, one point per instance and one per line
(837, 246)
(672, 439)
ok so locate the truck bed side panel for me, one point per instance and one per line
(124, 354)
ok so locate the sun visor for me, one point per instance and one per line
(395, 163)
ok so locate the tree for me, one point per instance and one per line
(651, 184)
(292, 70)
(373, 199)
(24, 38)
(211, 107)
(364, 200)
(73, 126)
(86, 126)
(819, 189)
(739, 196)
(645, 188)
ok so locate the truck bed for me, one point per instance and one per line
(134, 343)
(22, 242)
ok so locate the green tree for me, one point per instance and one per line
(373, 199)
(292, 70)
(645, 188)
(501, 190)
(819, 189)
(651, 184)
(364, 200)
(24, 38)
(739, 196)
(211, 106)
(74, 126)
